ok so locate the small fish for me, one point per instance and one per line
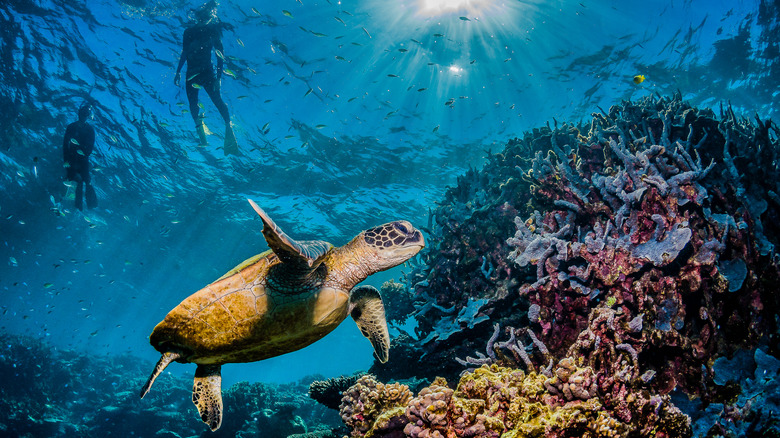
(240, 43)
(402, 50)
(256, 11)
(392, 76)
(287, 137)
(287, 13)
(436, 128)
(242, 97)
(230, 73)
(318, 34)
(340, 58)
(366, 31)
(421, 89)
(196, 86)
(47, 285)
(351, 99)
(320, 126)
(464, 18)
(638, 79)
(265, 127)
(74, 141)
(340, 20)
(308, 92)
(219, 55)
(438, 35)
(13, 261)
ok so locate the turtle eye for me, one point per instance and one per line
(401, 227)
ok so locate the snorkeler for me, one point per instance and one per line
(197, 44)
(76, 148)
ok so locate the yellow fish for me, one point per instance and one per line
(638, 79)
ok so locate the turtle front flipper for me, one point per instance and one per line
(207, 394)
(164, 361)
(307, 254)
(368, 311)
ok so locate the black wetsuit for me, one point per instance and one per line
(76, 149)
(198, 42)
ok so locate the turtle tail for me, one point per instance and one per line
(164, 361)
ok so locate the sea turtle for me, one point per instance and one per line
(280, 301)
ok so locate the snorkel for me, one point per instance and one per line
(206, 13)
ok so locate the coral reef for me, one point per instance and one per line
(749, 386)
(55, 392)
(644, 242)
(492, 401)
(370, 404)
(329, 392)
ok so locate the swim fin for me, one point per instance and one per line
(201, 127)
(91, 196)
(231, 146)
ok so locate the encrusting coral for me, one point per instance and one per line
(367, 400)
(493, 402)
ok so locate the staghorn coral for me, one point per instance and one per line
(398, 301)
(495, 402)
(329, 392)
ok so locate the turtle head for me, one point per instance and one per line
(391, 244)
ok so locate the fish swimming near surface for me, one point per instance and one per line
(638, 79)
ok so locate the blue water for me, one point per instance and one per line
(348, 114)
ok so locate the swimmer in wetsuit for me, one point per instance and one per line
(198, 42)
(76, 148)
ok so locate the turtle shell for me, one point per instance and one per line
(251, 314)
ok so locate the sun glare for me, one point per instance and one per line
(438, 7)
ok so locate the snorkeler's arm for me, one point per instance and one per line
(182, 58)
(177, 77)
(65, 143)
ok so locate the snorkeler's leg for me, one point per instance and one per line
(192, 98)
(91, 196)
(79, 193)
(89, 190)
(230, 146)
(213, 90)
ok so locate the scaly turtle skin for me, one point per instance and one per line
(280, 301)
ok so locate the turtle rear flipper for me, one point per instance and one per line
(207, 394)
(164, 361)
(368, 311)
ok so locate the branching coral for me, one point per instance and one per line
(329, 392)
